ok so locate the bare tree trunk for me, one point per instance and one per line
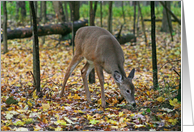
(154, 57)
(59, 11)
(142, 22)
(36, 62)
(40, 15)
(165, 22)
(66, 12)
(100, 13)
(44, 17)
(172, 14)
(110, 17)
(75, 5)
(5, 27)
(23, 10)
(92, 73)
(95, 8)
(169, 22)
(17, 10)
(91, 14)
(123, 11)
(134, 17)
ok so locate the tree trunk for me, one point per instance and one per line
(75, 5)
(20, 5)
(179, 91)
(5, 49)
(100, 13)
(134, 17)
(110, 17)
(91, 14)
(36, 62)
(92, 73)
(41, 12)
(66, 12)
(63, 29)
(23, 10)
(123, 11)
(172, 14)
(95, 8)
(154, 57)
(17, 10)
(165, 23)
(59, 11)
(43, 17)
(142, 22)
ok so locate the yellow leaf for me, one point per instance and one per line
(173, 102)
(114, 127)
(34, 95)
(45, 106)
(160, 99)
(37, 128)
(148, 93)
(120, 114)
(29, 103)
(89, 117)
(44, 121)
(76, 96)
(173, 121)
(58, 128)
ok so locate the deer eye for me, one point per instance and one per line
(128, 91)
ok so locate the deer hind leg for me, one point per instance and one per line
(75, 61)
(84, 72)
(99, 72)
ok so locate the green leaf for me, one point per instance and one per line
(11, 100)
(93, 121)
(148, 110)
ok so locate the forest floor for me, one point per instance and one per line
(156, 110)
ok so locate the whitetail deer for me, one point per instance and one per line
(102, 51)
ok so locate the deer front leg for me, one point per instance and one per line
(99, 72)
(84, 72)
(75, 61)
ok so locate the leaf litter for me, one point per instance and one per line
(156, 110)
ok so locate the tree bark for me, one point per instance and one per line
(75, 5)
(5, 49)
(126, 38)
(154, 57)
(59, 11)
(134, 17)
(43, 17)
(142, 22)
(172, 14)
(92, 73)
(36, 61)
(66, 12)
(123, 11)
(110, 17)
(100, 13)
(165, 22)
(63, 29)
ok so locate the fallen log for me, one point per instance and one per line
(159, 20)
(63, 29)
(126, 38)
(122, 39)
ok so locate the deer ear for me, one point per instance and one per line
(131, 74)
(118, 77)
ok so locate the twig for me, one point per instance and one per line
(176, 72)
(168, 62)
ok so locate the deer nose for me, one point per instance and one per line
(134, 104)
